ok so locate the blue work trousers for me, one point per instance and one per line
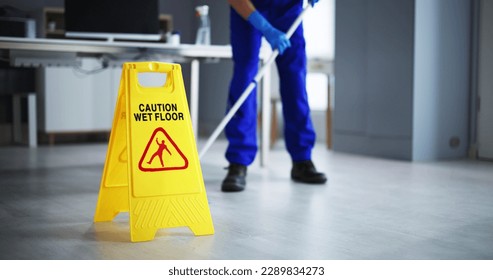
(241, 132)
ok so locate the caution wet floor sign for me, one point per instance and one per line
(152, 168)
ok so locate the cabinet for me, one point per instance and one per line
(72, 102)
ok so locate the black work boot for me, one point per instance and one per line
(235, 180)
(305, 172)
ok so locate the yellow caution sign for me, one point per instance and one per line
(152, 169)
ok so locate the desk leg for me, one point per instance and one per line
(16, 118)
(31, 119)
(266, 114)
(31, 115)
(194, 96)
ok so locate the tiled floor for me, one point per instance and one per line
(369, 209)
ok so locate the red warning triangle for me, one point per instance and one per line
(162, 154)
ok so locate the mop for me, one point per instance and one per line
(250, 87)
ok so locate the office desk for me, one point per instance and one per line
(29, 52)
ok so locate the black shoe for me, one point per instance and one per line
(305, 172)
(235, 180)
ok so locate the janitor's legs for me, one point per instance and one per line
(241, 130)
(299, 134)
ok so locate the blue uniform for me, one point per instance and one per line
(241, 132)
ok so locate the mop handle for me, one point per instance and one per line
(250, 87)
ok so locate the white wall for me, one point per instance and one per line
(319, 30)
(319, 27)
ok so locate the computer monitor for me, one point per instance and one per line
(112, 20)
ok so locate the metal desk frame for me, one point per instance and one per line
(29, 52)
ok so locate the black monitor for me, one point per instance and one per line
(112, 20)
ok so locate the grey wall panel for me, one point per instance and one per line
(373, 77)
(442, 65)
(390, 68)
(350, 67)
(485, 81)
(414, 88)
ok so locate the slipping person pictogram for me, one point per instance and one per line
(159, 152)
(177, 160)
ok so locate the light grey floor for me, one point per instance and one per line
(369, 209)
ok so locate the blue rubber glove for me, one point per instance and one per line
(312, 2)
(277, 39)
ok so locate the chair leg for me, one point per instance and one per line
(328, 127)
(274, 124)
